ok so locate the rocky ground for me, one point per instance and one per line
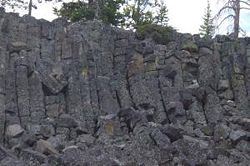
(90, 94)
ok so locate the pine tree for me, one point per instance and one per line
(105, 10)
(162, 15)
(207, 29)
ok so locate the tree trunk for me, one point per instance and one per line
(30, 7)
(237, 19)
(137, 12)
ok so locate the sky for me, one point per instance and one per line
(184, 15)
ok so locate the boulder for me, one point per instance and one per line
(14, 130)
(237, 135)
(221, 132)
(67, 121)
(45, 147)
(172, 132)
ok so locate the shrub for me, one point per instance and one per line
(160, 34)
(190, 46)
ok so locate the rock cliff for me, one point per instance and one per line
(90, 94)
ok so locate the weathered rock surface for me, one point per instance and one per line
(90, 94)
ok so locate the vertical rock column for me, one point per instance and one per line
(209, 76)
(37, 108)
(2, 93)
(121, 50)
(239, 78)
(71, 53)
(22, 86)
(11, 109)
(247, 75)
(11, 101)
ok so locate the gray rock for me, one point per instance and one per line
(191, 151)
(173, 133)
(12, 162)
(228, 95)
(145, 47)
(224, 84)
(237, 135)
(8, 159)
(44, 130)
(33, 158)
(201, 143)
(14, 130)
(17, 46)
(86, 139)
(243, 146)
(73, 156)
(45, 147)
(221, 132)
(160, 139)
(66, 121)
(58, 141)
(91, 94)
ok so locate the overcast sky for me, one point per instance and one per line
(184, 15)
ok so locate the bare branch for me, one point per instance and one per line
(243, 32)
(246, 3)
(245, 8)
(225, 18)
(223, 9)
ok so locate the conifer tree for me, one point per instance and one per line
(207, 29)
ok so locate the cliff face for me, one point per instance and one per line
(90, 94)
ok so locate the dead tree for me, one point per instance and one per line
(232, 10)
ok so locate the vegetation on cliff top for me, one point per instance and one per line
(132, 14)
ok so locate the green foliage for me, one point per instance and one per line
(75, 11)
(160, 34)
(135, 13)
(162, 18)
(143, 12)
(110, 12)
(190, 46)
(207, 29)
(153, 23)
(80, 10)
(130, 15)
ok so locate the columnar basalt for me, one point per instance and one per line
(90, 94)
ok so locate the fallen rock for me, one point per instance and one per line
(237, 135)
(245, 122)
(72, 155)
(159, 138)
(14, 130)
(32, 157)
(66, 121)
(202, 144)
(221, 131)
(173, 133)
(45, 147)
(12, 162)
(86, 139)
(57, 141)
(223, 85)
(8, 159)
(52, 76)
